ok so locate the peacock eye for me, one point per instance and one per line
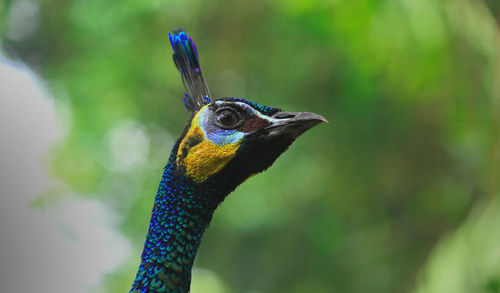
(228, 118)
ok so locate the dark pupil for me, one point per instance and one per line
(227, 118)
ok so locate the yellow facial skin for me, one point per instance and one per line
(205, 158)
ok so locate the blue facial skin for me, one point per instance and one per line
(215, 134)
(222, 137)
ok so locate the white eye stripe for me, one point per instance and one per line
(257, 113)
(220, 136)
(250, 109)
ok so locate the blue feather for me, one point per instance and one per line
(187, 62)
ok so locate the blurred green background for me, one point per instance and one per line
(397, 194)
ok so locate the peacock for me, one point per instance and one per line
(225, 141)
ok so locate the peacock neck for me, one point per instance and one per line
(182, 210)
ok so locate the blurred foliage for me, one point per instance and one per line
(468, 261)
(412, 93)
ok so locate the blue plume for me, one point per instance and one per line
(186, 60)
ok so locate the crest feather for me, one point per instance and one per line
(186, 60)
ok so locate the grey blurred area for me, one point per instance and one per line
(63, 246)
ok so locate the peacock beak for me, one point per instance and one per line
(292, 123)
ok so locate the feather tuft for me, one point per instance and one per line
(187, 62)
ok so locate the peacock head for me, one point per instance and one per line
(231, 139)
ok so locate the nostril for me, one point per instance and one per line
(284, 115)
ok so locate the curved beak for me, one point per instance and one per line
(293, 123)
